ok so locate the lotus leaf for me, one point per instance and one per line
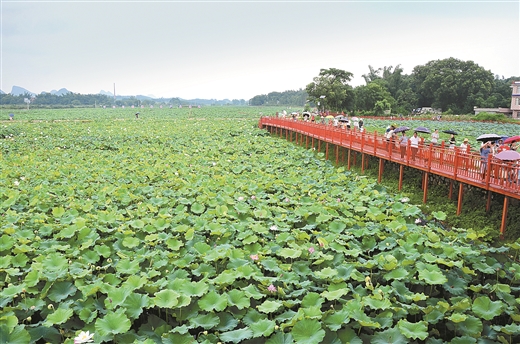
(487, 309)
(308, 331)
(112, 323)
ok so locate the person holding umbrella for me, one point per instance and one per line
(414, 144)
(485, 150)
(403, 143)
(452, 141)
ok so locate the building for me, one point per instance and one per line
(513, 111)
(515, 99)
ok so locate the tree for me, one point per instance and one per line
(368, 96)
(330, 88)
(451, 84)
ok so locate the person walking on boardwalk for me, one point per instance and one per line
(435, 136)
(414, 145)
(390, 135)
(464, 152)
(485, 150)
(403, 144)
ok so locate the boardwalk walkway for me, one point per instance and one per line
(465, 167)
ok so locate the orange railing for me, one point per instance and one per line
(454, 163)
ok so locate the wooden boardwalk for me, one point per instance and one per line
(465, 167)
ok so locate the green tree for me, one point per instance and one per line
(366, 97)
(451, 84)
(332, 83)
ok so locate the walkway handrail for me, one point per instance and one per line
(454, 163)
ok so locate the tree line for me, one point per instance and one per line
(452, 85)
(72, 99)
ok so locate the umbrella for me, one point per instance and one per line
(450, 132)
(489, 137)
(306, 114)
(508, 155)
(329, 116)
(512, 139)
(398, 130)
(355, 119)
(342, 119)
(422, 130)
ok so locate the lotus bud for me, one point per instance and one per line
(50, 306)
(29, 319)
(205, 333)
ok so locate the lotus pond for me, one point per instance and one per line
(198, 227)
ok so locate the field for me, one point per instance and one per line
(195, 226)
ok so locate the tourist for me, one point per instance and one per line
(403, 144)
(435, 136)
(502, 146)
(452, 141)
(390, 136)
(485, 150)
(414, 145)
(464, 151)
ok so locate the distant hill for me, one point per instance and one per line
(19, 91)
(60, 92)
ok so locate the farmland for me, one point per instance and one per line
(195, 226)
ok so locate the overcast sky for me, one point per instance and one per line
(239, 49)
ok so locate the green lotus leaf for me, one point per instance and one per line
(336, 320)
(511, 329)
(472, 326)
(238, 299)
(206, 321)
(227, 322)
(176, 338)
(58, 212)
(439, 215)
(252, 292)
(463, 340)
(457, 317)
(262, 328)
(413, 330)
(103, 250)
(269, 306)
(192, 289)
(11, 291)
(174, 244)
(376, 303)
(312, 299)
(431, 274)
(18, 335)
(337, 226)
(131, 242)
(213, 301)
(138, 224)
(397, 274)
(128, 267)
(202, 247)
(392, 335)
(280, 338)
(236, 336)
(487, 309)
(67, 232)
(59, 316)
(289, 253)
(326, 273)
(335, 294)
(225, 277)
(308, 331)
(61, 290)
(112, 323)
(166, 299)
(116, 296)
(197, 208)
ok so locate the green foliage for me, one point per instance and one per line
(484, 116)
(146, 231)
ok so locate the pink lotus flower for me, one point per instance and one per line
(272, 288)
(240, 198)
(311, 250)
(253, 197)
(254, 256)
